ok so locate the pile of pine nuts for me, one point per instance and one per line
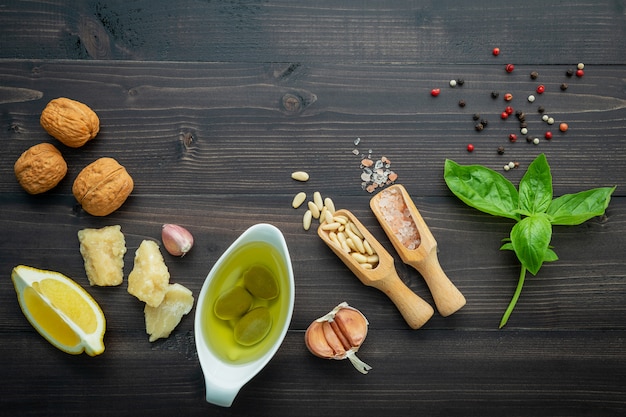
(345, 234)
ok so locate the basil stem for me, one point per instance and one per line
(518, 291)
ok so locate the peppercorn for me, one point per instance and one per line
(500, 150)
(548, 135)
(512, 137)
(460, 82)
(452, 83)
(495, 94)
(536, 141)
(563, 127)
(484, 122)
(435, 92)
(461, 103)
(529, 139)
(564, 86)
(541, 88)
(508, 97)
(580, 73)
(523, 124)
(569, 72)
(540, 109)
(523, 131)
(534, 75)
(470, 148)
(580, 66)
(509, 68)
(504, 115)
(531, 98)
(508, 110)
(479, 127)
(496, 51)
(476, 116)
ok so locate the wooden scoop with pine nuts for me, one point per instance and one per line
(372, 264)
(415, 244)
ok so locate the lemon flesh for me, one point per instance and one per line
(60, 310)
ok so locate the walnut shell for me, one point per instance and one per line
(71, 122)
(102, 187)
(40, 168)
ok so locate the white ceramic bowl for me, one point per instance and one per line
(226, 366)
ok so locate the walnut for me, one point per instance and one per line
(40, 168)
(102, 187)
(71, 122)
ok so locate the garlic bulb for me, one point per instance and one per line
(176, 239)
(338, 335)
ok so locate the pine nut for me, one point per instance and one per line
(317, 199)
(298, 199)
(315, 212)
(330, 205)
(300, 176)
(306, 220)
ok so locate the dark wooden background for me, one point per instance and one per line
(190, 97)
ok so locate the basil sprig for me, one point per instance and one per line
(533, 208)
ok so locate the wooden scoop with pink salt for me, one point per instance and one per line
(415, 244)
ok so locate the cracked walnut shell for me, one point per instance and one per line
(102, 187)
(40, 168)
(71, 122)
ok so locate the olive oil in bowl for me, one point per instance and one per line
(231, 328)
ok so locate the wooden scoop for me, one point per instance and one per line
(383, 276)
(448, 298)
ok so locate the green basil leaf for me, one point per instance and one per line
(531, 239)
(550, 256)
(482, 188)
(535, 187)
(574, 209)
(507, 246)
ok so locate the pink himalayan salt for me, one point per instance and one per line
(396, 214)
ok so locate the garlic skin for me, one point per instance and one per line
(338, 335)
(176, 239)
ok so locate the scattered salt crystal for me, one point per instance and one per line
(357, 141)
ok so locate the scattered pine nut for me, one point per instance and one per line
(317, 199)
(298, 199)
(329, 205)
(306, 220)
(300, 176)
(314, 210)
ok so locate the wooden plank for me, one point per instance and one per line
(330, 31)
(539, 373)
(224, 127)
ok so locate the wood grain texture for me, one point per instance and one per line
(211, 105)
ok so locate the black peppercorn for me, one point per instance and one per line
(500, 150)
(495, 94)
(476, 116)
(479, 127)
(570, 72)
(534, 75)
(523, 125)
(461, 103)
(484, 122)
(564, 86)
(460, 82)
(529, 139)
(541, 109)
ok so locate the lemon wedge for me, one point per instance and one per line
(60, 310)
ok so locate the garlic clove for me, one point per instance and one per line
(176, 239)
(339, 335)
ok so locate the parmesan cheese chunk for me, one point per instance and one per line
(149, 279)
(161, 320)
(103, 254)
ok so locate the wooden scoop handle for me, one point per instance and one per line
(446, 295)
(414, 309)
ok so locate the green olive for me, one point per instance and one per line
(233, 303)
(253, 327)
(260, 282)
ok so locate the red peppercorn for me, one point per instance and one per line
(508, 97)
(504, 115)
(496, 51)
(548, 135)
(470, 148)
(580, 73)
(540, 89)
(563, 127)
(509, 67)
(513, 137)
(508, 110)
(435, 92)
